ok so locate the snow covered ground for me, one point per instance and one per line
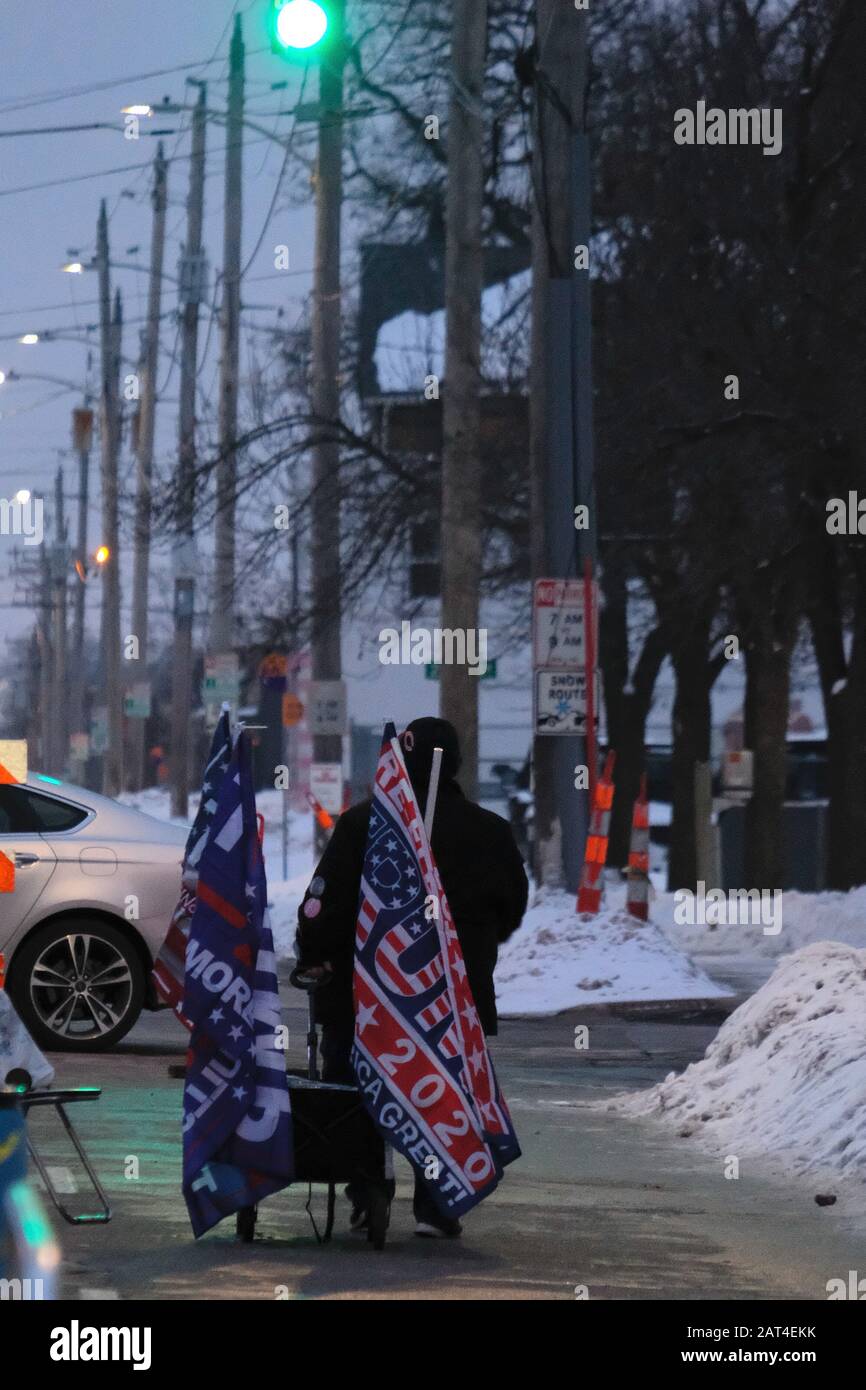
(786, 1074)
(560, 960)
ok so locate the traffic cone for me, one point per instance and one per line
(592, 876)
(324, 818)
(637, 900)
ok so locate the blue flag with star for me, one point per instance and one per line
(237, 1135)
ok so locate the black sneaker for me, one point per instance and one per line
(440, 1229)
(359, 1219)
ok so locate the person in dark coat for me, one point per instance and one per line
(484, 881)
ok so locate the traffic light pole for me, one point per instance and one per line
(326, 637)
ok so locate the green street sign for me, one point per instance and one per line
(432, 672)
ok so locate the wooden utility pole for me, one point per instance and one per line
(144, 476)
(82, 439)
(461, 458)
(59, 565)
(222, 616)
(326, 635)
(111, 330)
(47, 691)
(192, 288)
(560, 394)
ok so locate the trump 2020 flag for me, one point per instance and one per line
(420, 1057)
(237, 1136)
(168, 970)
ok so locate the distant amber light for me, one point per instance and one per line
(103, 555)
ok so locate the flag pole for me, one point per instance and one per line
(433, 791)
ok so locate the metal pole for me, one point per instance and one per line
(561, 461)
(326, 331)
(222, 617)
(144, 484)
(461, 458)
(110, 437)
(192, 278)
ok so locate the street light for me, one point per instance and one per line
(298, 25)
(102, 555)
(28, 339)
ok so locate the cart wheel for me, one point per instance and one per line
(378, 1215)
(245, 1224)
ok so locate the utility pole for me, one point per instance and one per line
(47, 692)
(461, 458)
(222, 618)
(144, 478)
(561, 462)
(192, 286)
(110, 440)
(59, 563)
(82, 439)
(326, 634)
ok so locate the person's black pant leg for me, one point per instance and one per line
(337, 1039)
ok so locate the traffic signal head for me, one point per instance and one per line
(298, 26)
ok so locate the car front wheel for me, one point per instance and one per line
(78, 985)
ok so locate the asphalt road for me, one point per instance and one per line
(598, 1206)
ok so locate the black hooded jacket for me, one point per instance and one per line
(483, 877)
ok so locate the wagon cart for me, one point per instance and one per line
(335, 1141)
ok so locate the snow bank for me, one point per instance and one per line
(786, 1073)
(560, 960)
(806, 917)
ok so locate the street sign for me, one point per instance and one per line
(560, 702)
(79, 746)
(326, 785)
(13, 760)
(738, 773)
(293, 710)
(222, 678)
(273, 670)
(99, 730)
(327, 707)
(559, 623)
(137, 701)
(432, 672)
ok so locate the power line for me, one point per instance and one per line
(69, 93)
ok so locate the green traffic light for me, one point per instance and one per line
(300, 24)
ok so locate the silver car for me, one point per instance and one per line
(95, 886)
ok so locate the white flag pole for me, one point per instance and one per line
(433, 791)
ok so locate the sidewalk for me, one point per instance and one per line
(596, 1201)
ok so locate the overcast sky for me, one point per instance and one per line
(71, 64)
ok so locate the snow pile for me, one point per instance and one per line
(786, 1073)
(561, 960)
(805, 918)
